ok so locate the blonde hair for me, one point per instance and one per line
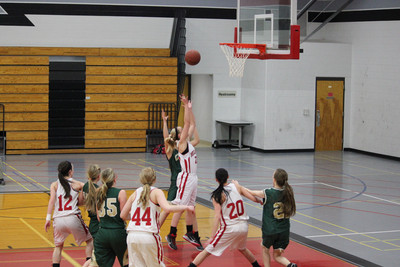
(90, 198)
(107, 178)
(171, 140)
(147, 178)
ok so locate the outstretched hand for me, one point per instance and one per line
(164, 117)
(184, 100)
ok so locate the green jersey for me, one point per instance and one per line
(273, 219)
(94, 223)
(110, 211)
(175, 167)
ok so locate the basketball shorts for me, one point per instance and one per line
(108, 244)
(233, 236)
(277, 241)
(145, 249)
(70, 224)
(187, 189)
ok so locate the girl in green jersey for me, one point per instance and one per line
(278, 206)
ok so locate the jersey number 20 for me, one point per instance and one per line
(237, 209)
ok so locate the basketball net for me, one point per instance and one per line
(236, 57)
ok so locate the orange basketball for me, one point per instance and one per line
(192, 57)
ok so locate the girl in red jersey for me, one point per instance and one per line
(65, 196)
(187, 179)
(230, 221)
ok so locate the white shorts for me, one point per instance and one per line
(234, 236)
(187, 189)
(145, 249)
(70, 224)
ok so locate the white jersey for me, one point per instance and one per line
(144, 219)
(65, 206)
(233, 208)
(189, 160)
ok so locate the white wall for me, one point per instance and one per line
(278, 93)
(375, 94)
(202, 96)
(205, 35)
(90, 31)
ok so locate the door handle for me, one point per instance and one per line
(318, 118)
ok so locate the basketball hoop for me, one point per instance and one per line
(237, 54)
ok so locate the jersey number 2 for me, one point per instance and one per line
(65, 207)
(145, 217)
(236, 210)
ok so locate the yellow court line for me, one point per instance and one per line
(65, 255)
(154, 164)
(260, 166)
(15, 181)
(326, 231)
(134, 163)
(378, 170)
(27, 176)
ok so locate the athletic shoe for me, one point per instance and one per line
(292, 265)
(171, 239)
(200, 247)
(189, 237)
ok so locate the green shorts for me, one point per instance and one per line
(173, 189)
(277, 241)
(108, 244)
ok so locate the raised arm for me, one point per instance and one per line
(185, 130)
(165, 124)
(196, 140)
(192, 127)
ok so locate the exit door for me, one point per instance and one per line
(329, 114)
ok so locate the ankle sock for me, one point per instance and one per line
(255, 264)
(173, 231)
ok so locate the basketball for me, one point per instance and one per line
(192, 57)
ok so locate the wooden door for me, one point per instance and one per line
(329, 114)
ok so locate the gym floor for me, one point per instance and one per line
(348, 204)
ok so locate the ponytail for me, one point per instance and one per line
(107, 178)
(222, 176)
(289, 203)
(63, 171)
(147, 178)
(90, 198)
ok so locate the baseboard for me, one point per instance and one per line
(372, 154)
(282, 150)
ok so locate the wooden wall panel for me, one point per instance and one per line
(129, 70)
(110, 134)
(132, 98)
(23, 60)
(27, 144)
(142, 79)
(115, 143)
(32, 135)
(90, 106)
(107, 116)
(25, 116)
(22, 70)
(120, 85)
(24, 88)
(132, 61)
(25, 98)
(130, 88)
(116, 125)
